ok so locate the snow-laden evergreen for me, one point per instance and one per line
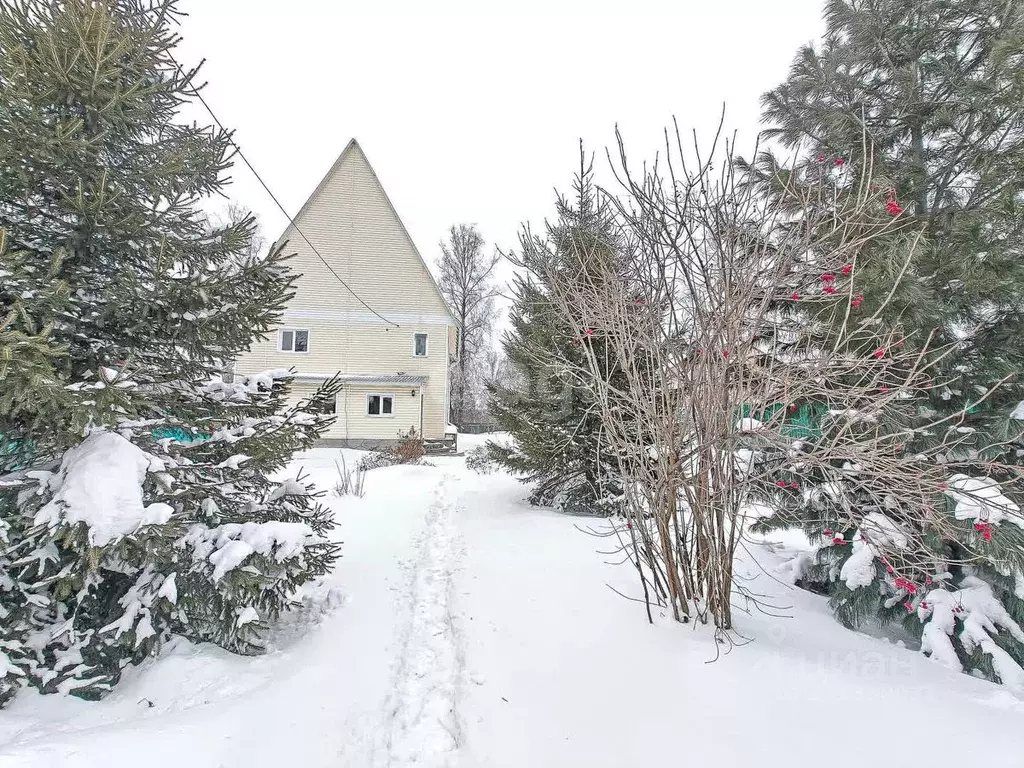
(930, 92)
(140, 491)
(549, 410)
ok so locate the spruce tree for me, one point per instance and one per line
(928, 96)
(553, 419)
(138, 496)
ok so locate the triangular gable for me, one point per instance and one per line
(351, 151)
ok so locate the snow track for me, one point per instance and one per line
(420, 724)
(478, 632)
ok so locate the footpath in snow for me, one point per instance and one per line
(465, 628)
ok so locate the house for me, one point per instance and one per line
(389, 333)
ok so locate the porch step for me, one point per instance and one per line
(440, 446)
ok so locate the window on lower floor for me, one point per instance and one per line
(294, 340)
(379, 405)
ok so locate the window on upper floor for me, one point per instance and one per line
(419, 344)
(379, 405)
(293, 340)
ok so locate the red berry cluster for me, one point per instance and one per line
(839, 162)
(828, 279)
(857, 300)
(985, 529)
(907, 584)
(891, 205)
(837, 538)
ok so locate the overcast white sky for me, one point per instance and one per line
(474, 115)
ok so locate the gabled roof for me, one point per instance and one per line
(353, 145)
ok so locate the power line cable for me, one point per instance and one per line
(277, 202)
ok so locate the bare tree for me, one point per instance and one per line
(237, 213)
(466, 282)
(725, 315)
(497, 370)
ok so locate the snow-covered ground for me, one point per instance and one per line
(466, 628)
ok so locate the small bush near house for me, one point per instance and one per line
(408, 450)
(377, 459)
(410, 446)
(479, 460)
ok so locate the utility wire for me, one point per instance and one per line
(273, 197)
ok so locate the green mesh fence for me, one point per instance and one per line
(15, 454)
(802, 423)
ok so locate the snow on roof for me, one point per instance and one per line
(402, 379)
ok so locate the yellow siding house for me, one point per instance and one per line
(395, 372)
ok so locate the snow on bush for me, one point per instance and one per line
(877, 534)
(129, 539)
(981, 616)
(982, 500)
(100, 484)
(228, 546)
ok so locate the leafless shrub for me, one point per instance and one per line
(479, 460)
(410, 446)
(722, 314)
(378, 459)
(408, 450)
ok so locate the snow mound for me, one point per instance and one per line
(100, 484)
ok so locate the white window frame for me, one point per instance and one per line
(380, 415)
(426, 344)
(280, 340)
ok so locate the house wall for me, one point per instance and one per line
(359, 426)
(365, 350)
(353, 226)
(354, 426)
